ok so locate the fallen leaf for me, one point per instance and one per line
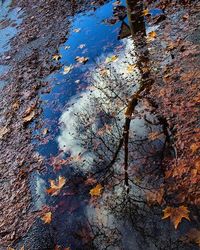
(47, 217)
(29, 117)
(111, 59)
(131, 68)
(76, 30)
(176, 214)
(57, 57)
(81, 59)
(145, 12)
(56, 187)
(3, 131)
(151, 36)
(10, 248)
(67, 47)
(16, 105)
(67, 69)
(195, 146)
(81, 46)
(96, 191)
(194, 236)
(154, 135)
(155, 196)
(45, 131)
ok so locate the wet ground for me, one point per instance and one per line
(102, 161)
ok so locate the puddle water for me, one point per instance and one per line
(84, 122)
(9, 22)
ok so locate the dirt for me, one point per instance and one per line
(44, 27)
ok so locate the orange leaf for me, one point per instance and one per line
(96, 191)
(56, 187)
(176, 214)
(47, 217)
(195, 146)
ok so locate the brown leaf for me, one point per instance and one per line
(96, 191)
(56, 187)
(47, 217)
(81, 59)
(3, 131)
(176, 214)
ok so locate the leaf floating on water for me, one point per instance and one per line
(151, 36)
(96, 191)
(67, 47)
(81, 46)
(111, 59)
(57, 57)
(176, 214)
(117, 3)
(56, 187)
(77, 81)
(81, 59)
(131, 68)
(145, 12)
(76, 30)
(67, 69)
(47, 217)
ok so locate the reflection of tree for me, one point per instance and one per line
(126, 142)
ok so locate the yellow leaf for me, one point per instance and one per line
(67, 69)
(56, 187)
(145, 12)
(57, 57)
(151, 36)
(111, 59)
(96, 191)
(176, 214)
(131, 68)
(81, 59)
(47, 217)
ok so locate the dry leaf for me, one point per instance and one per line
(151, 36)
(47, 217)
(155, 196)
(131, 68)
(96, 191)
(176, 214)
(111, 59)
(145, 12)
(195, 146)
(16, 105)
(57, 57)
(67, 69)
(29, 117)
(3, 131)
(56, 187)
(194, 236)
(81, 59)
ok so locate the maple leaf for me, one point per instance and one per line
(81, 59)
(47, 217)
(145, 12)
(57, 57)
(176, 214)
(55, 188)
(67, 69)
(131, 68)
(111, 59)
(151, 36)
(155, 196)
(96, 191)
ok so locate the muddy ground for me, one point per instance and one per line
(44, 27)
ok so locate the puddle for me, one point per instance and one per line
(83, 117)
(9, 22)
